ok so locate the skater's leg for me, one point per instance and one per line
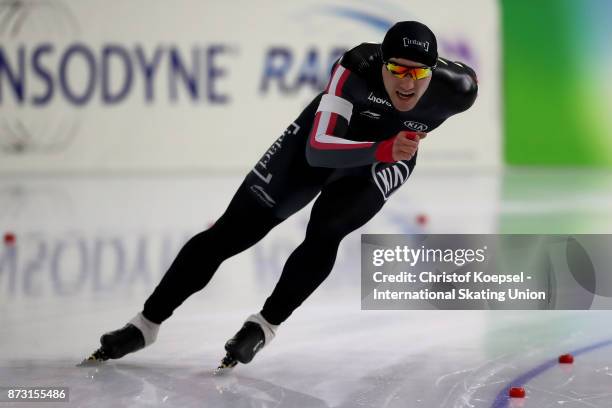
(280, 184)
(342, 207)
(243, 224)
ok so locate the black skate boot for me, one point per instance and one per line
(246, 343)
(250, 339)
(117, 344)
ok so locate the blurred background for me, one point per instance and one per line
(126, 127)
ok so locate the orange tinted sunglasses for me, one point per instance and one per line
(402, 71)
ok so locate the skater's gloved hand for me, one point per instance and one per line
(402, 146)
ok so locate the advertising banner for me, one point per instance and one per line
(207, 85)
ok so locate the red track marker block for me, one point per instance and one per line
(9, 238)
(516, 392)
(422, 219)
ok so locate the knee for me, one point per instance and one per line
(330, 232)
(198, 240)
(201, 244)
(192, 247)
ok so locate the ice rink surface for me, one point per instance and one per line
(89, 250)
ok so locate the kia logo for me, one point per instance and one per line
(416, 126)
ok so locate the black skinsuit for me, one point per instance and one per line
(330, 149)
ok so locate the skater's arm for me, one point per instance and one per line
(327, 145)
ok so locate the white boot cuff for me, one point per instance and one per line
(148, 328)
(269, 329)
